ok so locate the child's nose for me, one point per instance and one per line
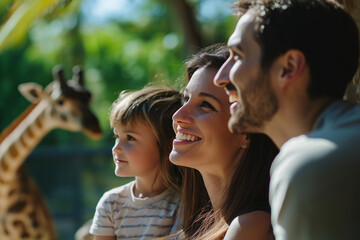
(117, 147)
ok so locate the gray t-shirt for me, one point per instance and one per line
(119, 213)
(315, 179)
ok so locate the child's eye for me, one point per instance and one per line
(130, 138)
(207, 105)
(117, 138)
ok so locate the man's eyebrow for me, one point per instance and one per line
(235, 47)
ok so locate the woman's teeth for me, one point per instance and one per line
(183, 136)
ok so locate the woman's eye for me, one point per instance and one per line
(130, 138)
(207, 105)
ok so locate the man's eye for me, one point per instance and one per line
(237, 57)
(185, 99)
(130, 138)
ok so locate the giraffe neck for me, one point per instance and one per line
(20, 142)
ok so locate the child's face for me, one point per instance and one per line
(135, 151)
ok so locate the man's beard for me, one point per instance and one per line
(258, 104)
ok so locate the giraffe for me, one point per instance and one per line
(62, 104)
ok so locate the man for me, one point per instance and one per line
(290, 63)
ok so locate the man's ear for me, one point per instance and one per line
(293, 64)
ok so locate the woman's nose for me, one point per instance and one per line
(182, 116)
(221, 78)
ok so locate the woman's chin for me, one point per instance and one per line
(178, 158)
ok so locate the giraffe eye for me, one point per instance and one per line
(60, 102)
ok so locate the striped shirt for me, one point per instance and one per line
(119, 213)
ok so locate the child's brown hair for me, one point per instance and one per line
(153, 106)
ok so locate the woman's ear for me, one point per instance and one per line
(244, 140)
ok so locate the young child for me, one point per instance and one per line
(147, 207)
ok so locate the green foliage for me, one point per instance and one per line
(4, 8)
(16, 69)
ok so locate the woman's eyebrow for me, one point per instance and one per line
(205, 94)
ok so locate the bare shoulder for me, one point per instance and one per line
(253, 225)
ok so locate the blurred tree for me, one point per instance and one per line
(189, 23)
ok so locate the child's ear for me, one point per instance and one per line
(293, 63)
(31, 91)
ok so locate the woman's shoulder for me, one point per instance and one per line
(252, 225)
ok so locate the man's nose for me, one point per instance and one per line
(222, 76)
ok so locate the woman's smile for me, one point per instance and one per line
(202, 136)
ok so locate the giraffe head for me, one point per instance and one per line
(67, 102)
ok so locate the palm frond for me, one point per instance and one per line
(22, 14)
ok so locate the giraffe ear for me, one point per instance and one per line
(31, 91)
(78, 75)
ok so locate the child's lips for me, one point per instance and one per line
(118, 160)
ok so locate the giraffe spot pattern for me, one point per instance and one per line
(13, 151)
(4, 165)
(39, 122)
(30, 133)
(18, 206)
(23, 142)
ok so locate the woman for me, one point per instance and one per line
(226, 176)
